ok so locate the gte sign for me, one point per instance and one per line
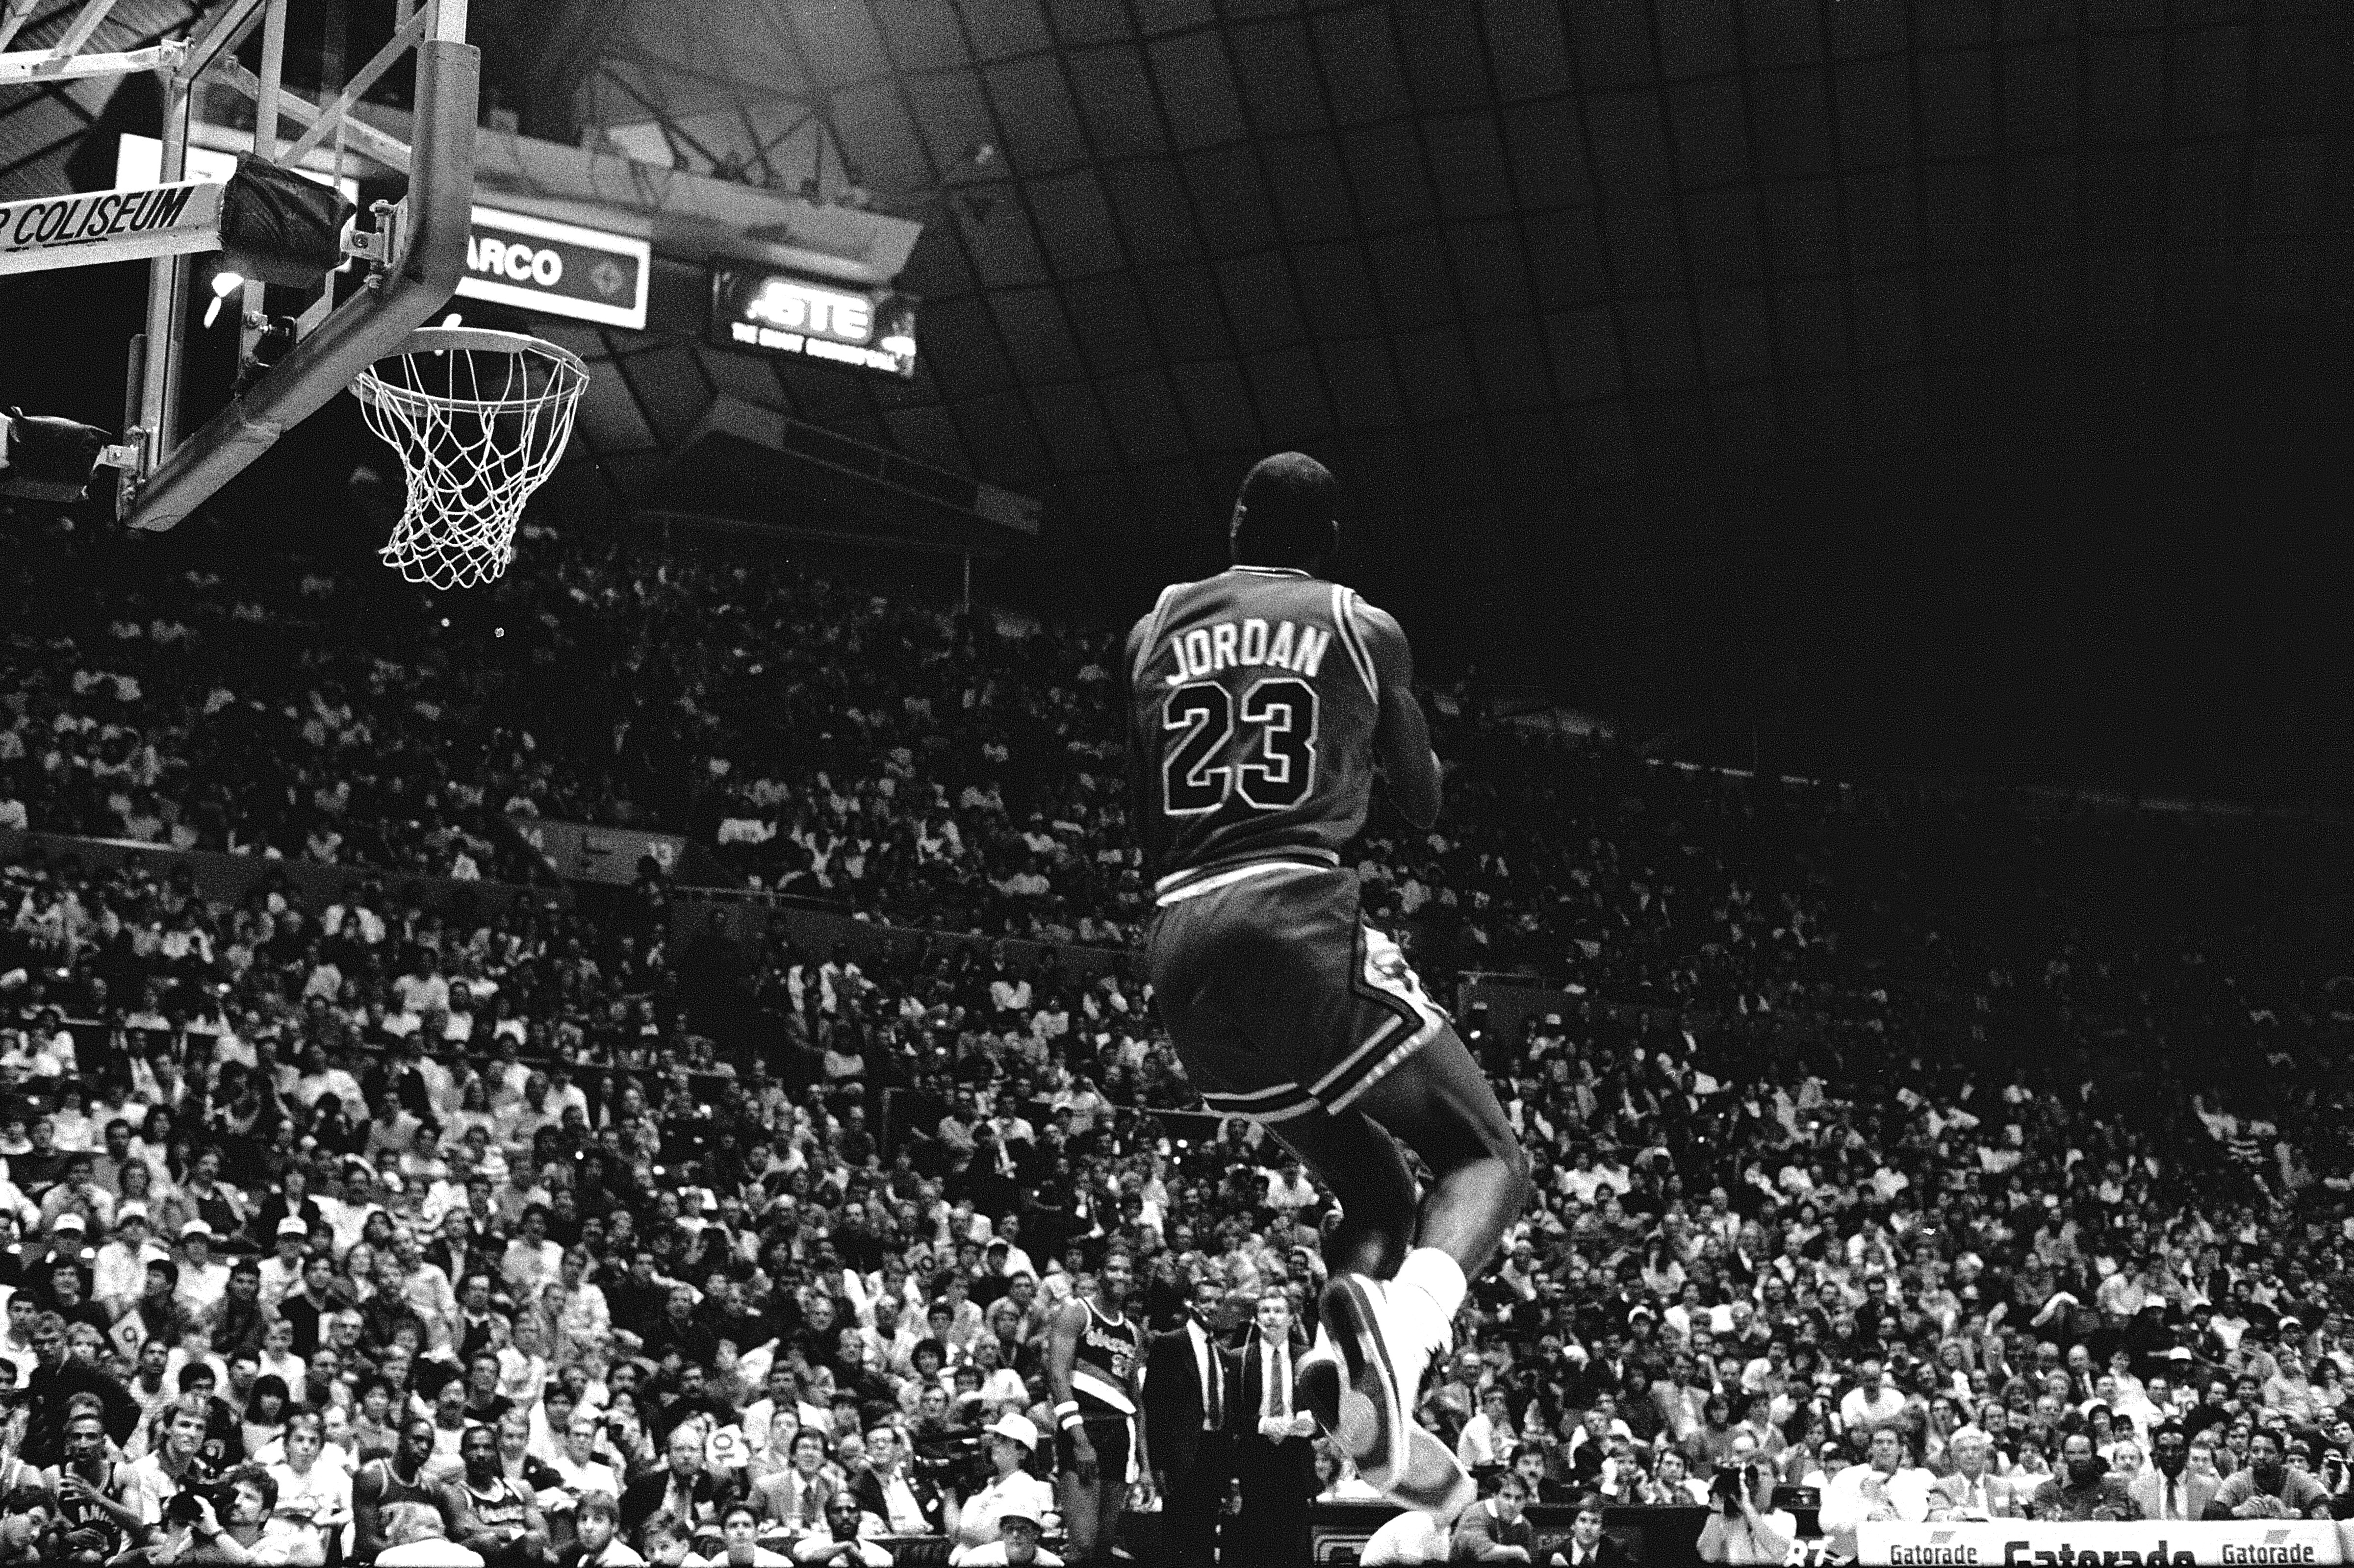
(780, 313)
(796, 306)
(556, 269)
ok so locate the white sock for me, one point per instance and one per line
(1439, 1279)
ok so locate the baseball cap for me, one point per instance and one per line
(133, 1210)
(1015, 1428)
(1021, 1512)
(2179, 1353)
(68, 1221)
(195, 1228)
(293, 1226)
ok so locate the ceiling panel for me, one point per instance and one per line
(1528, 49)
(1276, 70)
(1231, 196)
(1310, 190)
(1198, 96)
(1115, 95)
(1466, 153)
(1360, 64)
(1364, 388)
(1446, 67)
(1148, 202)
(1037, 124)
(1261, 304)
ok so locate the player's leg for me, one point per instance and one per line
(1079, 1496)
(1386, 1326)
(1360, 1163)
(1439, 1103)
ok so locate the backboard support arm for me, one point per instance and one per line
(365, 327)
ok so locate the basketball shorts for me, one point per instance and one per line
(1278, 996)
(1109, 1439)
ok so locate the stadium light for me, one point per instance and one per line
(225, 283)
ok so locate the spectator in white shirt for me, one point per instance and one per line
(1881, 1487)
(1875, 1402)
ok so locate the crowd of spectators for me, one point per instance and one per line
(2020, 1138)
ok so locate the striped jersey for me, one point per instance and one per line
(1253, 705)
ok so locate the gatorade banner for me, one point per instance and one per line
(2002, 1543)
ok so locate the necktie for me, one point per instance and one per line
(1214, 1381)
(1278, 1386)
(2173, 1508)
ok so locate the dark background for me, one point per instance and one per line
(1846, 387)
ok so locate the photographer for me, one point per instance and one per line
(194, 1532)
(1745, 1526)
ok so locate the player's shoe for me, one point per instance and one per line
(1434, 1481)
(1385, 1353)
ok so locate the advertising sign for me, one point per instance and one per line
(2002, 1543)
(558, 269)
(780, 313)
(583, 853)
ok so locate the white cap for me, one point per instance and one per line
(195, 1228)
(1017, 1427)
(291, 1227)
(68, 1221)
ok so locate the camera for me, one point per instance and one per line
(1729, 1487)
(957, 1459)
(182, 1507)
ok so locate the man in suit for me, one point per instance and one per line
(1588, 1547)
(795, 1497)
(892, 1490)
(2169, 1489)
(1274, 1452)
(683, 1487)
(1973, 1491)
(1189, 1384)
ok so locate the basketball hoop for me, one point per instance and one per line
(479, 418)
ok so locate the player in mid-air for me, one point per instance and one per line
(1262, 702)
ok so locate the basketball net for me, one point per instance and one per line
(480, 419)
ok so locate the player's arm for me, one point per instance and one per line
(1140, 766)
(1402, 737)
(1062, 1355)
(369, 1536)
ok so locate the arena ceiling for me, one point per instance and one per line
(1526, 272)
(1567, 294)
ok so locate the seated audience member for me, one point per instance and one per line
(597, 1536)
(1496, 1529)
(1011, 1440)
(842, 1539)
(1017, 1545)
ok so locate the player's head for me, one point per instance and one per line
(1288, 514)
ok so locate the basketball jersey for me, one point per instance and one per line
(504, 1506)
(1253, 705)
(78, 1515)
(400, 1497)
(1101, 1367)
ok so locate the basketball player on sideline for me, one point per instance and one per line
(1261, 702)
(1095, 1358)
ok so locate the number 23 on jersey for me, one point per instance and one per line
(1261, 748)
